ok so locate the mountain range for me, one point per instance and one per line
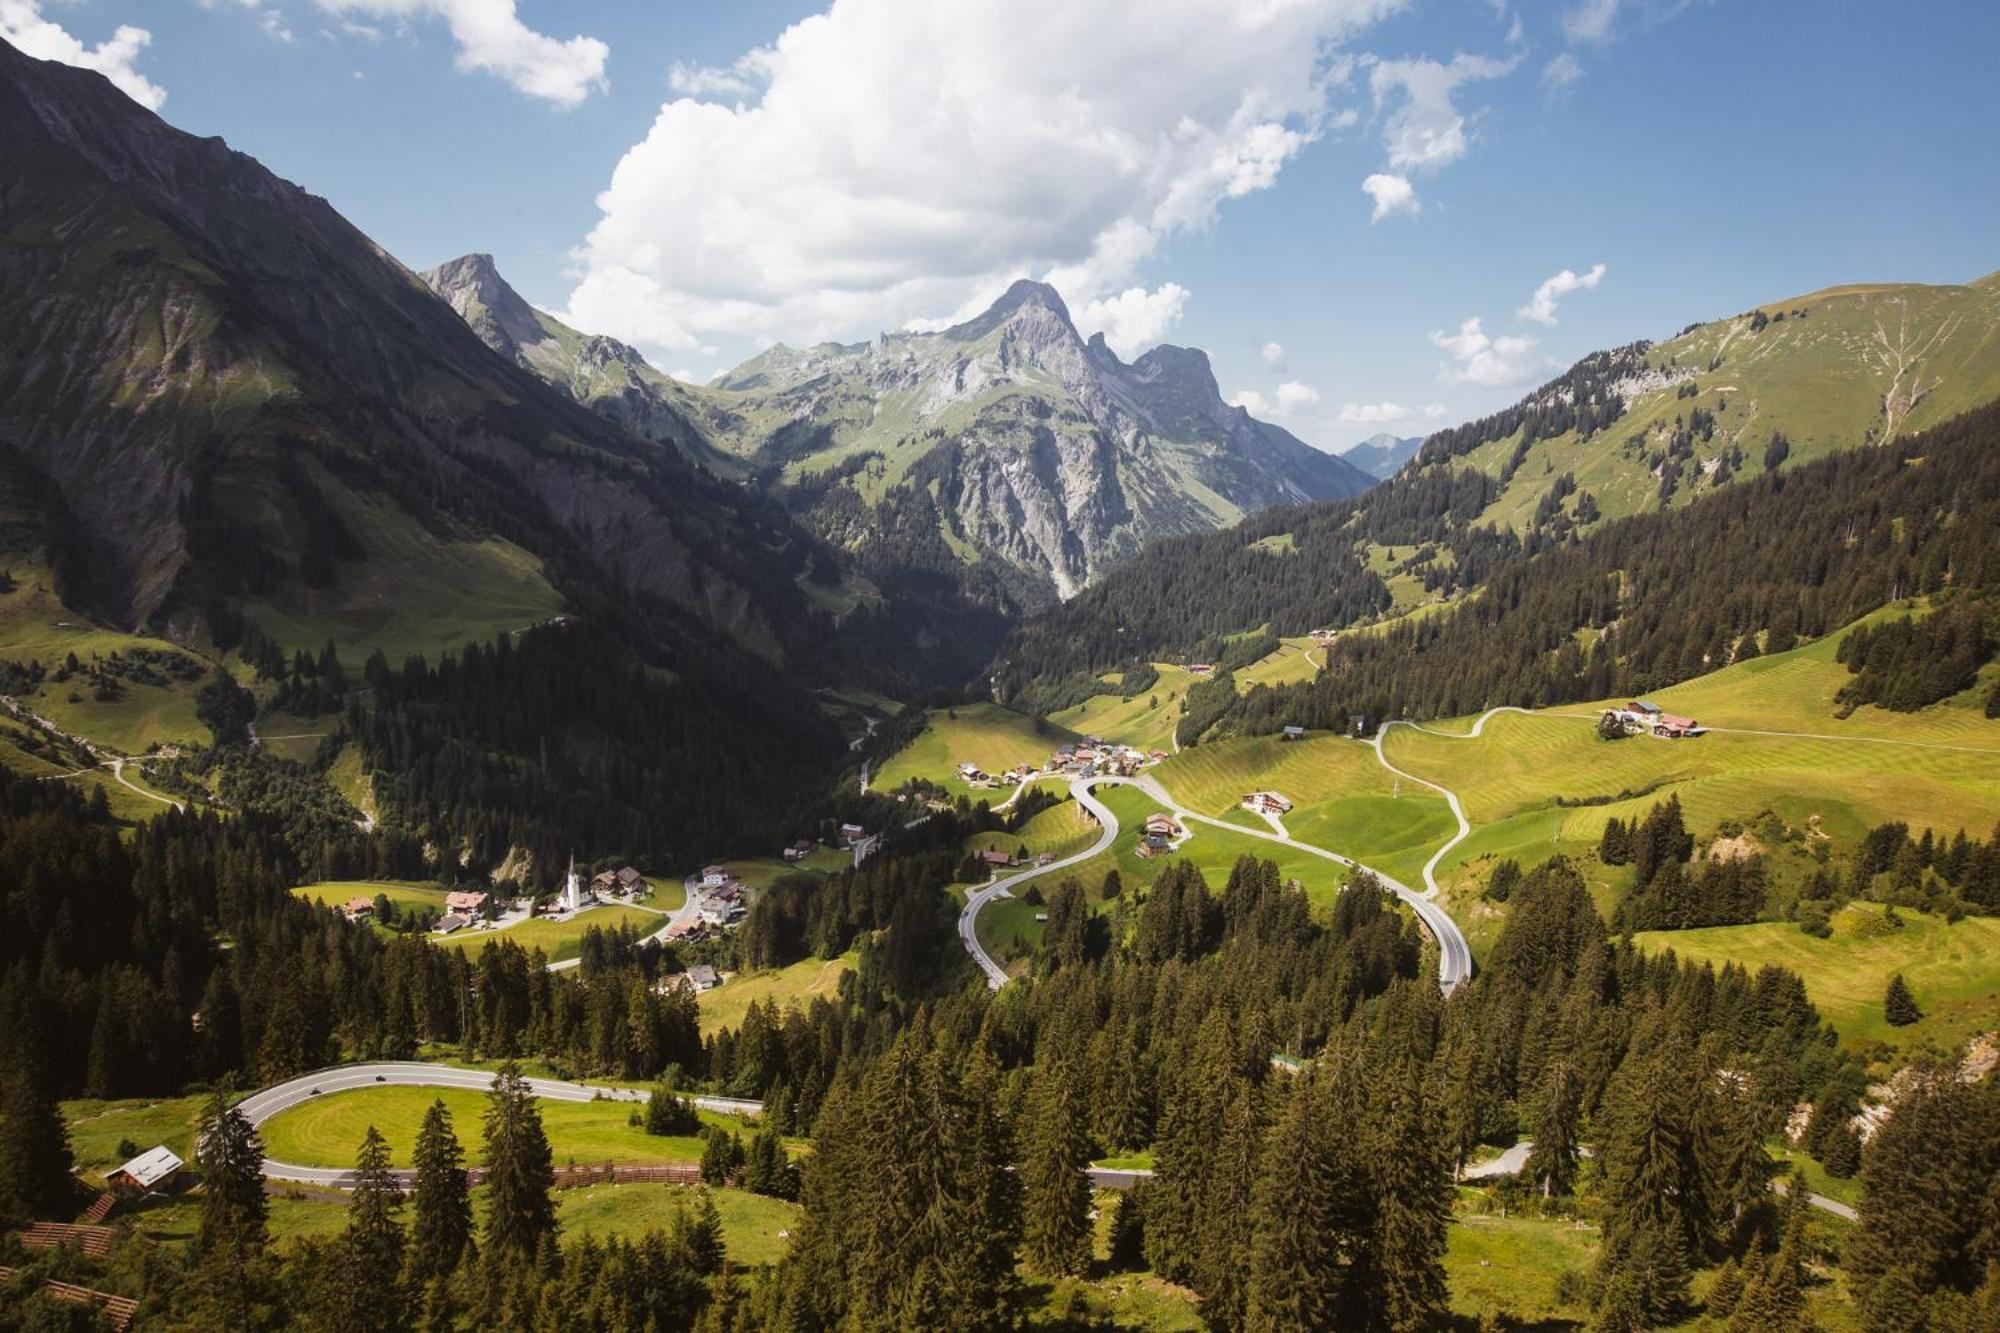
(1382, 455)
(1006, 452)
(216, 392)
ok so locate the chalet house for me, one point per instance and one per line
(604, 881)
(1200, 668)
(1164, 825)
(1642, 715)
(451, 921)
(990, 857)
(704, 977)
(1294, 734)
(799, 850)
(146, 1173)
(356, 908)
(714, 877)
(1673, 724)
(1323, 637)
(630, 880)
(852, 833)
(1266, 803)
(467, 902)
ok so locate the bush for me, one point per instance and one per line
(1816, 918)
(669, 1114)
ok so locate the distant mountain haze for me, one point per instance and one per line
(1382, 455)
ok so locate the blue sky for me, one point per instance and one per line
(702, 179)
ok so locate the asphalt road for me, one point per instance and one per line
(261, 1106)
(968, 917)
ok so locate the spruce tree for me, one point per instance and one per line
(228, 1288)
(704, 1244)
(1310, 1219)
(442, 1231)
(1899, 1007)
(1552, 1161)
(520, 1213)
(35, 1159)
(234, 1211)
(1055, 1192)
(1413, 1192)
(374, 1224)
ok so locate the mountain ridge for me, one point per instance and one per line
(1005, 453)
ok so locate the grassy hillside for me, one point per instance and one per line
(725, 1006)
(1834, 369)
(988, 735)
(1953, 970)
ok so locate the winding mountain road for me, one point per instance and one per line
(1454, 955)
(1450, 796)
(261, 1106)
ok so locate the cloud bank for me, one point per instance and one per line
(888, 161)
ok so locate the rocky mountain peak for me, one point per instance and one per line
(472, 285)
(1026, 304)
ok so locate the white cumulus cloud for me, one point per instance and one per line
(1541, 307)
(492, 38)
(1388, 414)
(888, 160)
(1424, 129)
(1289, 397)
(1134, 319)
(22, 24)
(1478, 357)
(1274, 357)
(1392, 195)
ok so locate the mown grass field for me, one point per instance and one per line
(334, 892)
(560, 940)
(1343, 799)
(327, 1131)
(754, 1227)
(1146, 720)
(1954, 970)
(761, 872)
(1061, 830)
(725, 1006)
(985, 734)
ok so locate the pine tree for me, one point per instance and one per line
(1899, 1007)
(374, 1229)
(1652, 1187)
(520, 1214)
(1056, 1193)
(442, 1232)
(35, 1157)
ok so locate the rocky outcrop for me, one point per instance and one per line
(1034, 449)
